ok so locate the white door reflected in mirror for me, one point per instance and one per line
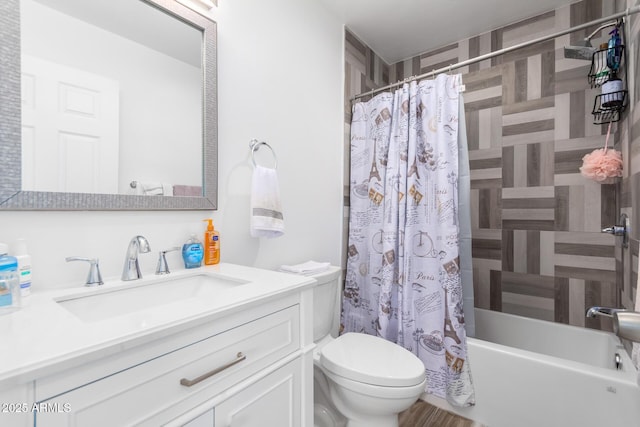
(70, 123)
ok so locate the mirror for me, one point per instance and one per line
(133, 101)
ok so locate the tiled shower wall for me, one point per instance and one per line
(537, 246)
(630, 188)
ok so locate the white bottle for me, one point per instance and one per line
(612, 93)
(24, 266)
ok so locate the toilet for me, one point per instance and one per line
(359, 380)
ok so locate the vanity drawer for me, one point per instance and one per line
(152, 391)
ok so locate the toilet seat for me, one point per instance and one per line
(371, 360)
(383, 392)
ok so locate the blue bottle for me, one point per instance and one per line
(612, 89)
(9, 280)
(614, 51)
(192, 252)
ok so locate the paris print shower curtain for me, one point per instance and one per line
(403, 269)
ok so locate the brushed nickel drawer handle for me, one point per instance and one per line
(188, 383)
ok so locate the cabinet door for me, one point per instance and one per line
(16, 406)
(204, 420)
(272, 401)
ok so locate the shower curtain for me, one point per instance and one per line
(403, 266)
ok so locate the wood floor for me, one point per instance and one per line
(423, 414)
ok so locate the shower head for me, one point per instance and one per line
(583, 50)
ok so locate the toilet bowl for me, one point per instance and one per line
(371, 380)
(360, 380)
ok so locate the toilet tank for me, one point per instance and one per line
(326, 303)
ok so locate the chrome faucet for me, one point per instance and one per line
(602, 311)
(94, 278)
(131, 271)
(163, 267)
(626, 324)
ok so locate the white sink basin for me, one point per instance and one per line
(134, 297)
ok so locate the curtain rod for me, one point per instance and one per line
(629, 11)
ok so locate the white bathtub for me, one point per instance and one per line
(534, 373)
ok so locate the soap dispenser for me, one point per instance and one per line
(9, 281)
(211, 244)
(192, 252)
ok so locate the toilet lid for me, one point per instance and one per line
(372, 360)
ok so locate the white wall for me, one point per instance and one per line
(280, 72)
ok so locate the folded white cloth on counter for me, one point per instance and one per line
(306, 268)
(153, 189)
(266, 219)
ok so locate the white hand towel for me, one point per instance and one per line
(306, 268)
(154, 189)
(266, 218)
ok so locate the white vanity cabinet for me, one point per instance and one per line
(16, 404)
(205, 420)
(273, 401)
(246, 369)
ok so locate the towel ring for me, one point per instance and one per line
(254, 145)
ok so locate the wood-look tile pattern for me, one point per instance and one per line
(630, 188)
(364, 71)
(423, 414)
(537, 246)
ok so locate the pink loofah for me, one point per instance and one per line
(602, 165)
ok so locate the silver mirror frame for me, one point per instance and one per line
(11, 195)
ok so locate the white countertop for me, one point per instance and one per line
(43, 336)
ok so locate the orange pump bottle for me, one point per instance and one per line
(211, 245)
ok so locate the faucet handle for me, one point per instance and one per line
(94, 278)
(163, 267)
(616, 230)
(621, 230)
